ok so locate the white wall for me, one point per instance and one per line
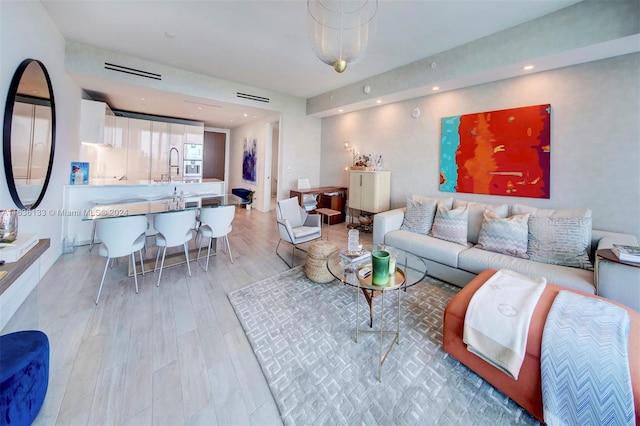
(18, 42)
(299, 152)
(595, 138)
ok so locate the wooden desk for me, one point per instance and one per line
(337, 202)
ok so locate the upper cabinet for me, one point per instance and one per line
(97, 122)
(194, 134)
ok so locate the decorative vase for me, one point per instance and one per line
(8, 226)
(380, 266)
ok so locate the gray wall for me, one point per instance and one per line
(20, 41)
(595, 138)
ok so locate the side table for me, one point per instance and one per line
(616, 279)
(328, 213)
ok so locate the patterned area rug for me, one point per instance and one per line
(303, 335)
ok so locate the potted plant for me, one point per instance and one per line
(249, 198)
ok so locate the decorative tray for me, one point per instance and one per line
(395, 280)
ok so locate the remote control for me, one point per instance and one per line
(364, 272)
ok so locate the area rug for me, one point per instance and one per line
(303, 335)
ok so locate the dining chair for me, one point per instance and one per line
(215, 222)
(121, 236)
(174, 229)
(296, 226)
(106, 202)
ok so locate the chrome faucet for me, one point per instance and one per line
(177, 165)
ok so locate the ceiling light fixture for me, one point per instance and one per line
(339, 30)
(528, 67)
(435, 88)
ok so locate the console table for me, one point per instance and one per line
(334, 202)
(22, 277)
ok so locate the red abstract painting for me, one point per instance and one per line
(505, 152)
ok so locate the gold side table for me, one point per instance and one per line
(328, 213)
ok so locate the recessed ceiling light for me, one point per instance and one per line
(379, 101)
(528, 67)
(246, 115)
(340, 110)
(142, 99)
(200, 108)
(169, 34)
(434, 88)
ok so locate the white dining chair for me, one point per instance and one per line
(174, 229)
(121, 236)
(215, 222)
(105, 202)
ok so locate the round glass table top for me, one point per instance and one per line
(408, 266)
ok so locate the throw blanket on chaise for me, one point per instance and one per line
(584, 363)
(497, 321)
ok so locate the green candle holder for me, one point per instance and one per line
(380, 265)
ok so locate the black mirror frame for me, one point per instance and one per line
(6, 133)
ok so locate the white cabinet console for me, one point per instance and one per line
(369, 191)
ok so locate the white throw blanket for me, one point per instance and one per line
(496, 324)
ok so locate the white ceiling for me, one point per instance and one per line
(264, 43)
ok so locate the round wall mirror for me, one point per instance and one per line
(29, 134)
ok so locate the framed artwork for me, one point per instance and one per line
(249, 160)
(505, 152)
(79, 173)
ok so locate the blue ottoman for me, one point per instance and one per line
(24, 376)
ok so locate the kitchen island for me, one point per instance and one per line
(79, 199)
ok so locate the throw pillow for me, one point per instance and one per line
(451, 224)
(560, 240)
(419, 216)
(476, 215)
(447, 202)
(504, 235)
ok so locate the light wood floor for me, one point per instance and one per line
(174, 354)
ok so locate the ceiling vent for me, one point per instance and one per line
(132, 71)
(252, 97)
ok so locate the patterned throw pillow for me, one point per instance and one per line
(504, 235)
(419, 216)
(560, 240)
(451, 224)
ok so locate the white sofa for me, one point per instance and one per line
(458, 264)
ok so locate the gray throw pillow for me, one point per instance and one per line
(507, 235)
(419, 216)
(560, 240)
(451, 225)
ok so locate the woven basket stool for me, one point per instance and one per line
(316, 266)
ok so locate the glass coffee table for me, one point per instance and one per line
(409, 271)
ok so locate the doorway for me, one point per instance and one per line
(272, 153)
(215, 155)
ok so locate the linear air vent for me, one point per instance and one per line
(252, 97)
(132, 71)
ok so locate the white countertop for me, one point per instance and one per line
(120, 183)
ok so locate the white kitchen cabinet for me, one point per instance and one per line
(194, 133)
(96, 122)
(139, 150)
(160, 150)
(369, 191)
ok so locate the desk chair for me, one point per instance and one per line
(216, 222)
(296, 226)
(309, 201)
(121, 236)
(174, 229)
